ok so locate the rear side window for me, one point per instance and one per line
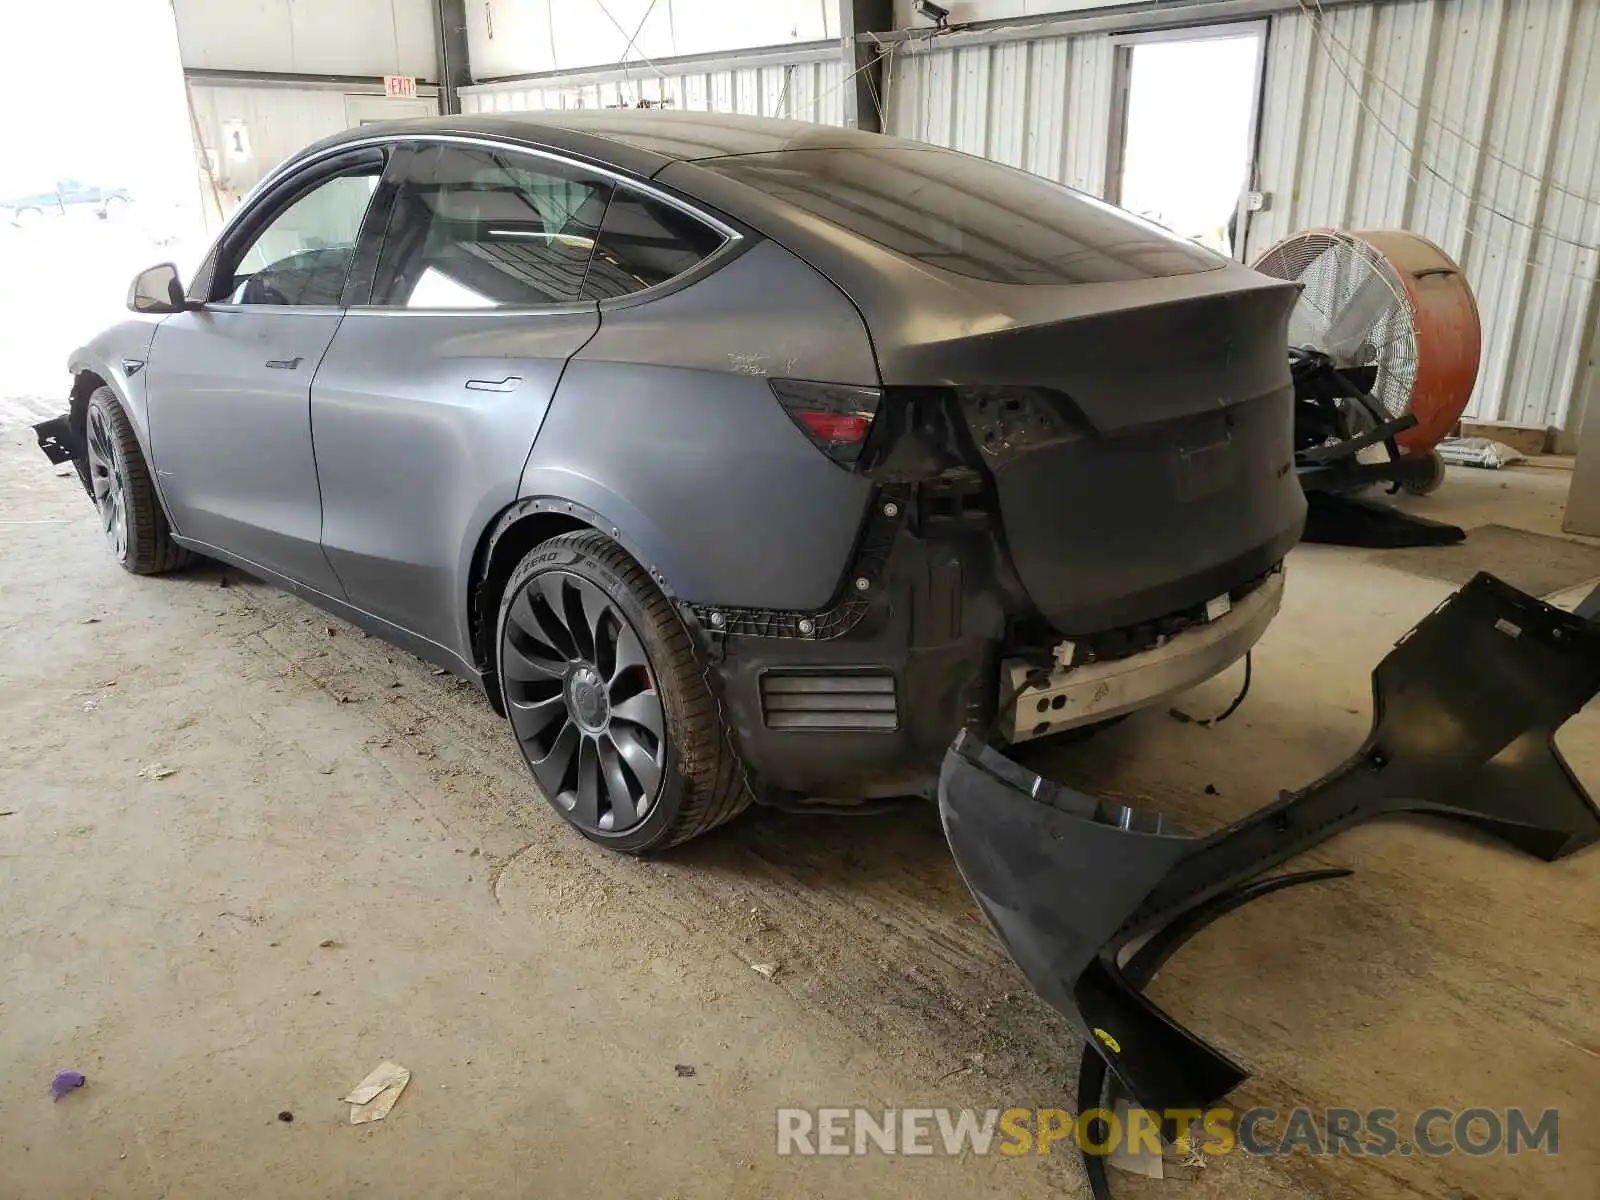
(644, 242)
(969, 216)
(481, 228)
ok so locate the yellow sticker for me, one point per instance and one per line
(1111, 1043)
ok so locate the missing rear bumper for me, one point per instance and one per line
(1099, 691)
(1090, 897)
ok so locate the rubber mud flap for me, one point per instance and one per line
(1089, 896)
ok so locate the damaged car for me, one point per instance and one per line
(731, 458)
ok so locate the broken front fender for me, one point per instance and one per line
(1090, 896)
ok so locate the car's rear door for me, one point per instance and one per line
(432, 392)
(229, 383)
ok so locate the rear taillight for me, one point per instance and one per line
(836, 417)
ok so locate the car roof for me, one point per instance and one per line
(638, 141)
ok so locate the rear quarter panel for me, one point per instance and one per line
(666, 424)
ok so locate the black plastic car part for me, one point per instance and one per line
(1090, 896)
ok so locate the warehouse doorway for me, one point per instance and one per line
(1184, 125)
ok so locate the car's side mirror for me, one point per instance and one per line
(157, 290)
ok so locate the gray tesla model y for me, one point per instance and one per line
(732, 458)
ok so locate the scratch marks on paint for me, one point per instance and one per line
(747, 364)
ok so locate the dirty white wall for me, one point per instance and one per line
(269, 119)
(308, 37)
(525, 37)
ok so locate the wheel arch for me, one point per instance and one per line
(85, 382)
(521, 526)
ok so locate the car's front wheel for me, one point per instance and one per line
(608, 699)
(135, 525)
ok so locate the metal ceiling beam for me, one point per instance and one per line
(863, 65)
(450, 52)
(1125, 18)
(355, 84)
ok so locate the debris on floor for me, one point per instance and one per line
(328, 943)
(157, 771)
(767, 970)
(66, 1081)
(286, 1116)
(374, 1096)
(1479, 452)
(684, 1070)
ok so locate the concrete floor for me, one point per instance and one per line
(166, 936)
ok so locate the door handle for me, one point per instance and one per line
(285, 364)
(509, 384)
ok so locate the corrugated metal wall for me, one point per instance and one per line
(1042, 105)
(1473, 122)
(805, 90)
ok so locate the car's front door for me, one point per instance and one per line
(430, 397)
(229, 383)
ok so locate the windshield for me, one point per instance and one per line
(968, 215)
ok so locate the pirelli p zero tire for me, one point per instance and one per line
(609, 701)
(135, 526)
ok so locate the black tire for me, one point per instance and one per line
(118, 479)
(701, 777)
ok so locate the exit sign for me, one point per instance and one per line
(400, 87)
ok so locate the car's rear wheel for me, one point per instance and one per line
(608, 699)
(26, 218)
(135, 526)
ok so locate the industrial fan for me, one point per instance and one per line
(1384, 344)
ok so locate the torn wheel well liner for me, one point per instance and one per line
(518, 529)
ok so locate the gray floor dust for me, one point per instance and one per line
(1538, 563)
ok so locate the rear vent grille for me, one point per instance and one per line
(856, 700)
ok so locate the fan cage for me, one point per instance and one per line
(1333, 267)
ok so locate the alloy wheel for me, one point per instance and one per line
(583, 702)
(105, 479)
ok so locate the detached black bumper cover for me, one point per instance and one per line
(1090, 897)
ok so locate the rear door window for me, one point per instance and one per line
(968, 215)
(476, 227)
(644, 242)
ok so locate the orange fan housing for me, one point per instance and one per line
(1425, 337)
(1448, 331)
